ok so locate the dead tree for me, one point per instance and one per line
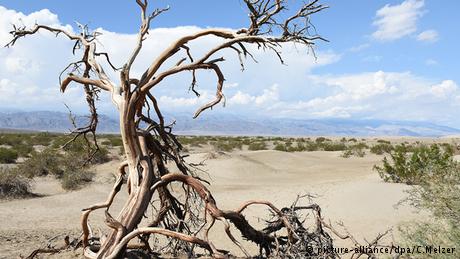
(150, 145)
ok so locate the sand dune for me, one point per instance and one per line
(347, 189)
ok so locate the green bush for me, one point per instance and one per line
(43, 139)
(11, 139)
(115, 141)
(80, 150)
(42, 163)
(194, 141)
(412, 165)
(74, 175)
(23, 150)
(380, 149)
(227, 145)
(440, 195)
(69, 167)
(60, 141)
(321, 139)
(333, 146)
(280, 147)
(311, 146)
(13, 185)
(257, 146)
(357, 150)
(382, 141)
(8, 156)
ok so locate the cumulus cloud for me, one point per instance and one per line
(29, 78)
(268, 96)
(428, 36)
(444, 89)
(396, 21)
(35, 63)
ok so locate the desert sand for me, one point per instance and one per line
(347, 189)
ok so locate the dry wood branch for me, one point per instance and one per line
(150, 145)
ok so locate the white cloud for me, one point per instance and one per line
(27, 67)
(182, 102)
(338, 112)
(396, 21)
(29, 78)
(269, 96)
(428, 36)
(241, 98)
(444, 89)
(379, 95)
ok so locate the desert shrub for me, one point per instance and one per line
(357, 150)
(334, 146)
(382, 141)
(74, 175)
(13, 184)
(106, 142)
(69, 168)
(276, 138)
(381, 148)
(42, 163)
(352, 140)
(311, 146)
(321, 139)
(227, 145)
(23, 150)
(60, 140)
(115, 141)
(280, 147)
(246, 141)
(101, 156)
(8, 155)
(194, 141)
(80, 150)
(43, 139)
(259, 145)
(412, 165)
(11, 139)
(440, 195)
(301, 146)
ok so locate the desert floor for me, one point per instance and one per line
(347, 189)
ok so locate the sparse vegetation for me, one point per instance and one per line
(411, 165)
(74, 175)
(381, 148)
(438, 191)
(8, 155)
(227, 145)
(13, 184)
(259, 145)
(358, 150)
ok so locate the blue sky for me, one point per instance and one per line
(393, 60)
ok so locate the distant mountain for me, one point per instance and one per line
(51, 121)
(219, 124)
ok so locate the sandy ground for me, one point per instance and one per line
(347, 189)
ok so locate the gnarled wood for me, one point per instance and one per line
(149, 143)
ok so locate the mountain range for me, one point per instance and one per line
(227, 124)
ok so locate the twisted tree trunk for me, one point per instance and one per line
(149, 144)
